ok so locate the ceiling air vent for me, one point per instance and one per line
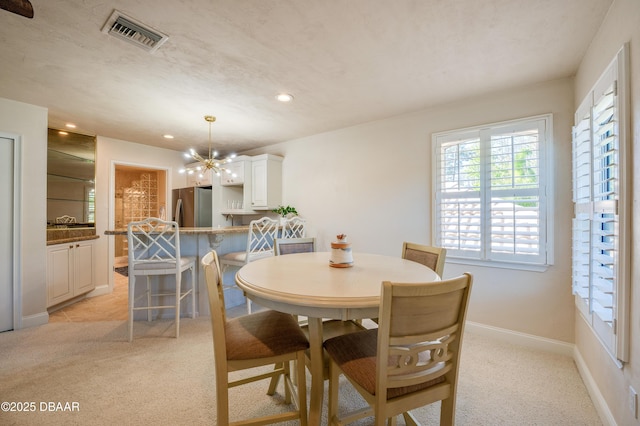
(135, 32)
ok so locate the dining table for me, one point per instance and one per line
(305, 284)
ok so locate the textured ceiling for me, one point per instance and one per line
(345, 61)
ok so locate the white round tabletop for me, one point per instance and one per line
(307, 280)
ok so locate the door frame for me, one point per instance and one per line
(16, 227)
(112, 207)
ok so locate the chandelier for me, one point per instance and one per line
(205, 164)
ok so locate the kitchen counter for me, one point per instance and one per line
(197, 242)
(70, 235)
(193, 231)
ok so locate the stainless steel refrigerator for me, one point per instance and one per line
(192, 206)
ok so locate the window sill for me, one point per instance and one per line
(495, 264)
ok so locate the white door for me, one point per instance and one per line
(6, 238)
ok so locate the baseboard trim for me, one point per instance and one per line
(523, 339)
(35, 320)
(594, 392)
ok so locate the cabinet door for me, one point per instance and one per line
(266, 182)
(195, 179)
(236, 177)
(259, 184)
(83, 280)
(59, 274)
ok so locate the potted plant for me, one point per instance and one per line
(285, 212)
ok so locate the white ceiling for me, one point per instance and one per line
(345, 61)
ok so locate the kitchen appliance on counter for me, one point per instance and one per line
(192, 206)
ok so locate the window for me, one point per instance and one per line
(490, 193)
(601, 243)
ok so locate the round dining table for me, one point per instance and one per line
(304, 284)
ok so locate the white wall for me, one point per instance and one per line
(29, 122)
(621, 25)
(108, 153)
(373, 182)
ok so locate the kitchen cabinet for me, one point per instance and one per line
(236, 175)
(266, 182)
(70, 271)
(199, 178)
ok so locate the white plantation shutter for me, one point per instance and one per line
(490, 192)
(460, 212)
(600, 184)
(581, 248)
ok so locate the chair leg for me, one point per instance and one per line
(287, 377)
(178, 292)
(273, 384)
(132, 287)
(248, 306)
(149, 311)
(334, 374)
(447, 411)
(193, 293)
(409, 420)
(222, 399)
(302, 388)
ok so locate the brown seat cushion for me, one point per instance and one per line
(263, 334)
(355, 354)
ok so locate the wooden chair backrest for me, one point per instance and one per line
(294, 245)
(420, 332)
(432, 257)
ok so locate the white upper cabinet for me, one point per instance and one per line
(266, 182)
(236, 175)
(199, 178)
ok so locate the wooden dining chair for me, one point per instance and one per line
(154, 250)
(432, 257)
(294, 245)
(264, 338)
(411, 359)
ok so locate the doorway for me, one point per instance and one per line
(6, 238)
(140, 192)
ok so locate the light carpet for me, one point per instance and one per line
(157, 379)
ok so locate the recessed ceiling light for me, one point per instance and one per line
(70, 125)
(284, 97)
(168, 136)
(62, 132)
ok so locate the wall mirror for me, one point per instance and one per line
(71, 173)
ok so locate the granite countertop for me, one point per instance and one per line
(193, 231)
(70, 235)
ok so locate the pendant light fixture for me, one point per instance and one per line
(210, 163)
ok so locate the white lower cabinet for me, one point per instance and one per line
(70, 271)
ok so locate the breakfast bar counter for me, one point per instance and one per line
(197, 242)
(220, 230)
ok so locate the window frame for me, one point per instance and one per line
(590, 208)
(544, 192)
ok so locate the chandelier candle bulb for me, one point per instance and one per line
(341, 255)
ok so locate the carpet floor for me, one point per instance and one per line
(158, 379)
